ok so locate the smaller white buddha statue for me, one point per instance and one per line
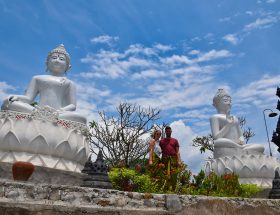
(226, 131)
(55, 91)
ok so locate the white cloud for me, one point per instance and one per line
(89, 91)
(104, 39)
(195, 39)
(261, 23)
(168, 95)
(194, 52)
(259, 92)
(148, 74)
(143, 61)
(159, 79)
(231, 38)
(110, 64)
(213, 54)
(225, 19)
(176, 59)
(209, 36)
(140, 49)
(198, 114)
(270, 1)
(87, 109)
(249, 12)
(162, 47)
(266, 19)
(165, 81)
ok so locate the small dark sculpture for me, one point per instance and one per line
(275, 191)
(96, 174)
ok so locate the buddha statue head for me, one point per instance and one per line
(58, 60)
(222, 101)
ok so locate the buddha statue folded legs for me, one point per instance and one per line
(226, 147)
(17, 106)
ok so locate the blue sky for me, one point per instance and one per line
(169, 54)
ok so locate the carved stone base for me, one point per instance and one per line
(48, 161)
(43, 139)
(252, 169)
(44, 175)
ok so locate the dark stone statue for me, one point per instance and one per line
(96, 174)
(275, 191)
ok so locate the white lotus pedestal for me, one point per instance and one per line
(43, 139)
(252, 169)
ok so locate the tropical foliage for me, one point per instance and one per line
(158, 181)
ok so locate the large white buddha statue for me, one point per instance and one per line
(50, 134)
(226, 131)
(231, 154)
(55, 90)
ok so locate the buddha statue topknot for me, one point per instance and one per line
(49, 134)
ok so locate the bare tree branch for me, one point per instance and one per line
(120, 138)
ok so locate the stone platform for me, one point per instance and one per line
(256, 169)
(45, 175)
(45, 199)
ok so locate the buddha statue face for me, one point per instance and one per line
(58, 61)
(57, 64)
(222, 101)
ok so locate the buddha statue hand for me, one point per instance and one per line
(232, 120)
(241, 141)
(13, 98)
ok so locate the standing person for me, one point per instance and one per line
(170, 147)
(155, 166)
(170, 158)
(154, 148)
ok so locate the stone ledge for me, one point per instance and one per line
(45, 199)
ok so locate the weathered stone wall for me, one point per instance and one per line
(18, 198)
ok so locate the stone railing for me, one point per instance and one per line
(46, 199)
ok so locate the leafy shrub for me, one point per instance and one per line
(130, 180)
(200, 184)
(214, 185)
(249, 190)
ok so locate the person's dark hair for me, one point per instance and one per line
(167, 127)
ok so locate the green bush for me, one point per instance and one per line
(226, 185)
(130, 180)
(249, 190)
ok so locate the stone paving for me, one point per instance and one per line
(19, 198)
